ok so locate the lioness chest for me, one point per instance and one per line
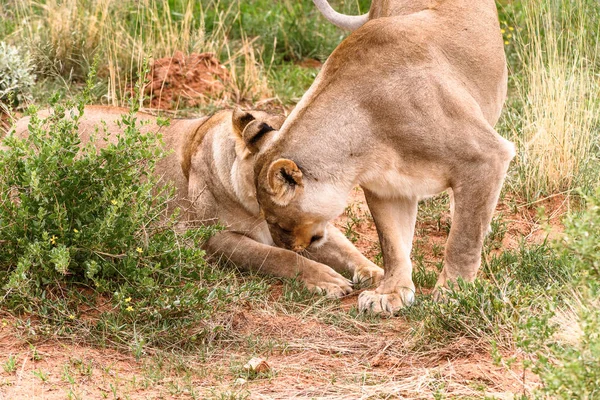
(414, 184)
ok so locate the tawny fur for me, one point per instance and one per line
(405, 107)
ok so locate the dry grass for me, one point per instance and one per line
(559, 91)
(309, 358)
(65, 37)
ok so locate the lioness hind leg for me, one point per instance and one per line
(246, 252)
(475, 197)
(395, 221)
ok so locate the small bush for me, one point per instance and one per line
(84, 223)
(71, 212)
(513, 286)
(474, 311)
(539, 266)
(16, 77)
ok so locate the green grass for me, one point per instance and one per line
(122, 35)
(10, 366)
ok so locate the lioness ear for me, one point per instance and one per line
(285, 181)
(240, 119)
(255, 133)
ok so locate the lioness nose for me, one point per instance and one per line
(298, 248)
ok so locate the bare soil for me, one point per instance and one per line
(308, 359)
(185, 80)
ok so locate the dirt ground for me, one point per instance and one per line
(185, 80)
(308, 357)
(317, 361)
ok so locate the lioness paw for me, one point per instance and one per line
(385, 303)
(330, 290)
(367, 275)
(331, 284)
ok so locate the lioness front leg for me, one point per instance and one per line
(395, 221)
(339, 253)
(475, 197)
(246, 252)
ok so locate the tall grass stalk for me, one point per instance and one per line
(559, 90)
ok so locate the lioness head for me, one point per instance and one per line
(296, 207)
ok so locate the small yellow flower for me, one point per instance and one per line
(139, 250)
(168, 289)
(53, 239)
(75, 230)
(114, 202)
(4, 323)
(502, 31)
(506, 42)
(127, 300)
(71, 316)
(510, 28)
(129, 308)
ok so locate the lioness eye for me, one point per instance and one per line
(282, 229)
(316, 238)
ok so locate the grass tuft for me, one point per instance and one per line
(557, 128)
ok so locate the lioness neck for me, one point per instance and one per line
(321, 134)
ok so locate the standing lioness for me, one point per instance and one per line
(211, 163)
(404, 107)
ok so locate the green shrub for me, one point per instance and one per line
(71, 212)
(512, 286)
(16, 77)
(80, 226)
(568, 368)
(537, 265)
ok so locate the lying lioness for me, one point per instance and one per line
(212, 169)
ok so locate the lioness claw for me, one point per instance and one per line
(367, 275)
(385, 303)
(332, 286)
(331, 291)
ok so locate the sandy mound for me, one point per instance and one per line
(185, 80)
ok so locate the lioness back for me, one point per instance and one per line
(98, 120)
